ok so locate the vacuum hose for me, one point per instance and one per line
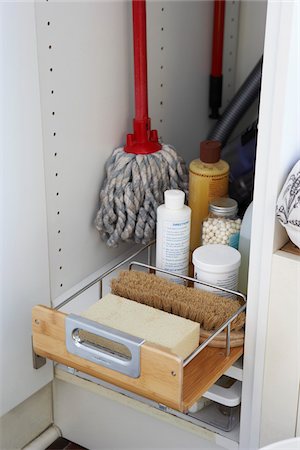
(240, 103)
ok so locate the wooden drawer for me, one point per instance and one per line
(163, 376)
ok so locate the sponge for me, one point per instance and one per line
(180, 336)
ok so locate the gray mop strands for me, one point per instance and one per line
(133, 189)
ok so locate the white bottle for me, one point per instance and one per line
(173, 234)
(244, 248)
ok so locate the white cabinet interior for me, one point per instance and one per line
(282, 355)
(115, 421)
(85, 72)
(277, 151)
(24, 247)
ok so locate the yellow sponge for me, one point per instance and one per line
(181, 336)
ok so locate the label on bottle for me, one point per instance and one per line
(218, 186)
(234, 240)
(175, 247)
(204, 186)
(227, 280)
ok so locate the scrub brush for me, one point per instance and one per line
(206, 308)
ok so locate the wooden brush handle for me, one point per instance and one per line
(236, 338)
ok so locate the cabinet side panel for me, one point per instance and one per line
(282, 357)
(24, 246)
(277, 151)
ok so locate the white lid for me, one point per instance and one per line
(216, 258)
(225, 396)
(174, 199)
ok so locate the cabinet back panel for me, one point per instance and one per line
(86, 108)
(86, 81)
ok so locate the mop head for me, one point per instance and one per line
(206, 308)
(133, 189)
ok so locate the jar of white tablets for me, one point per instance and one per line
(217, 265)
(222, 226)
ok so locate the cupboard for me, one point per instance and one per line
(67, 102)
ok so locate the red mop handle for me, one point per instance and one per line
(143, 140)
(218, 38)
(216, 79)
(140, 59)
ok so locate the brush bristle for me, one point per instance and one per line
(206, 308)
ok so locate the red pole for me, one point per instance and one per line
(215, 88)
(218, 38)
(140, 58)
(143, 140)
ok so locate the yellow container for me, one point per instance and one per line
(208, 180)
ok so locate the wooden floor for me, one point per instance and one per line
(64, 444)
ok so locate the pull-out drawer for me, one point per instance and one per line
(148, 370)
(162, 377)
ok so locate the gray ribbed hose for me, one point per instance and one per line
(240, 103)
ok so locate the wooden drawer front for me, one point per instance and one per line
(161, 377)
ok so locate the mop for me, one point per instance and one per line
(137, 175)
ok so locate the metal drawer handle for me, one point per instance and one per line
(103, 345)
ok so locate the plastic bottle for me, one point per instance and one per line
(173, 234)
(244, 248)
(208, 180)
